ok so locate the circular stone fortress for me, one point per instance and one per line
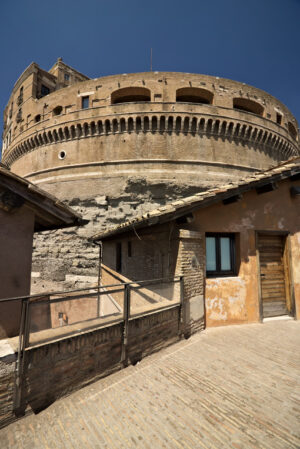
(117, 146)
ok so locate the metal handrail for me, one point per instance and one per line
(124, 318)
(60, 292)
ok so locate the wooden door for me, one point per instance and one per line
(273, 275)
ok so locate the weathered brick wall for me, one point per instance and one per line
(191, 265)
(149, 256)
(151, 333)
(7, 378)
(56, 369)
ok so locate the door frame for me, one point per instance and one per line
(287, 266)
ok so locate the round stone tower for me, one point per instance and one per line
(117, 146)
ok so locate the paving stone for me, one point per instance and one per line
(231, 387)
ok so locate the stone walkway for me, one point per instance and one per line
(233, 387)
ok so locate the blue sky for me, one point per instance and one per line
(254, 41)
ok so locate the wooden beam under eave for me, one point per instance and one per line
(265, 188)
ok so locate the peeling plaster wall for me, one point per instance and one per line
(235, 300)
(16, 232)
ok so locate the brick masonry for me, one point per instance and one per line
(56, 369)
(191, 265)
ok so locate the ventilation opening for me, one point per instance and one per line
(243, 104)
(292, 130)
(57, 110)
(194, 95)
(130, 95)
(62, 155)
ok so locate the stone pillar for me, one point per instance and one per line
(191, 265)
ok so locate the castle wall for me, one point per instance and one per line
(118, 146)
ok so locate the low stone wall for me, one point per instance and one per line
(55, 369)
(7, 381)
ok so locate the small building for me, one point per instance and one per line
(24, 209)
(237, 246)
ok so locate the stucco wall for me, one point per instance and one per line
(15, 265)
(228, 300)
(231, 300)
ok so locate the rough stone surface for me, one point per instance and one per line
(142, 140)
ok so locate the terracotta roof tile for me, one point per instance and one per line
(282, 171)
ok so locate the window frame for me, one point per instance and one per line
(84, 99)
(218, 272)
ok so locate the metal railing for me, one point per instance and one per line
(59, 315)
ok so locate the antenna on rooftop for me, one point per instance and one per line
(151, 60)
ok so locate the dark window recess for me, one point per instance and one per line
(57, 110)
(20, 97)
(246, 105)
(129, 249)
(67, 77)
(220, 254)
(85, 102)
(266, 188)
(130, 94)
(37, 118)
(44, 90)
(19, 116)
(119, 257)
(278, 119)
(194, 95)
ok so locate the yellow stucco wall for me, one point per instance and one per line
(234, 300)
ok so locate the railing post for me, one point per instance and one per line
(181, 324)
(19, 408)
(124, 356)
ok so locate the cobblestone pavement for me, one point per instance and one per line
(232, 387)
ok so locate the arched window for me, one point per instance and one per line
(243, 104)
(123, 125)
(67, 133)
(146, 124)
(107, 126)
(154, 124)
(162, 124)
(130, 124)
(130, 95)
(178, 124)
(93, 128)
(100, 127)
(186, 124)
(194, 95)
(86, 130)
(138, 124)
(115, 125)
(292, 130)
(73, 132)
(57, 110)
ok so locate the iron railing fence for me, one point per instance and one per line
(58, 315)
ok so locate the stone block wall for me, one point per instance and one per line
(59, 254)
